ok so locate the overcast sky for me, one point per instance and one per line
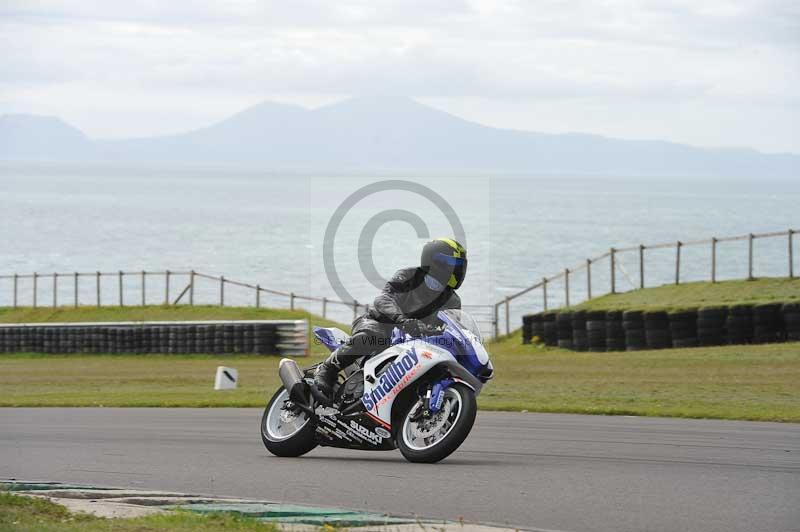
(709, 73)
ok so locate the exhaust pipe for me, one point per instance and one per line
(292, 379)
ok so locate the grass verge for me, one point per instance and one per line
(18, 513)
(699, 294)
(729, 382)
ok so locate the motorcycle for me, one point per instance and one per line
(418, 395)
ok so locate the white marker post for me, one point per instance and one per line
(226, 379)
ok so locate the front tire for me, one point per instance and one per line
(284, 432)
(436, 437)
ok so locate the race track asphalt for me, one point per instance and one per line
(534, 471)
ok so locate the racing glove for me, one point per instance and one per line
(416, 327)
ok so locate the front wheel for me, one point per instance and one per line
(432, 438)
(286, 431)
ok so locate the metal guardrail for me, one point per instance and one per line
(612, 255)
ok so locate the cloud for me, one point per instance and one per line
(745, 53)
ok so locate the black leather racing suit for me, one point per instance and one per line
(405, 296)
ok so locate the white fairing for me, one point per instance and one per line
(412, 360)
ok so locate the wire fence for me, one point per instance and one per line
(609, 272)
(170, 287)
(681, 261)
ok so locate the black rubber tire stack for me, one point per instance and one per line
(711, 326)
(526, 328)
(739, 325)
(201, 339)
(564, 327)
(191, 339)
(683, 328)
(550, 328)
(537, 328)
(767, 323)
(248, 333)
(656, 329)
(615, 331)
(633, 324)
(596, 330)
(791, 321)
(218, 340)
(580, 340)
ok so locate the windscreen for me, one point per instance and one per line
(465, 320)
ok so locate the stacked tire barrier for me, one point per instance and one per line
(615, 332)
(683, 328)
(767, 323)
(791, 321)
(711, 326)
(564, 330)
(580, 339)
(656, 330)
(273, 337)
(549, 328)
(527, 333)
(633, 325)
(597, 330)
(739, 325)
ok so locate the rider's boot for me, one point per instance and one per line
(326, 375)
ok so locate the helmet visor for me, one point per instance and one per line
(456, 267)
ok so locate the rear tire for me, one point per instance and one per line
(458, 394)
(290, 444)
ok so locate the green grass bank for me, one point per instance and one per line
(699, 294)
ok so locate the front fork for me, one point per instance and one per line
(434, 398)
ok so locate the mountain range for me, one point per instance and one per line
(384, 134)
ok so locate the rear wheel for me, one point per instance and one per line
(432, 438)
(286, 431)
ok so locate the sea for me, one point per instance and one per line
(271, 229)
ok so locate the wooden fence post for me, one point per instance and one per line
(566, 285)
(16, 285)
(166, 287)
(496, 320)
(291, 300)
(121, 301)
(791, 255)
(324, 306)
(750, 257)
(678, 247)
(641, 265)
(75, 294)
(191, 287)
(508, 318)
(613, 271)
(55, 290)
(588, 278)
(544, 292)
(144, 288)
(713, 259)
(97, 287)
(35, 287)
(258, 296)
(221, 290)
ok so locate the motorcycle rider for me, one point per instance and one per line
(410, 300)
